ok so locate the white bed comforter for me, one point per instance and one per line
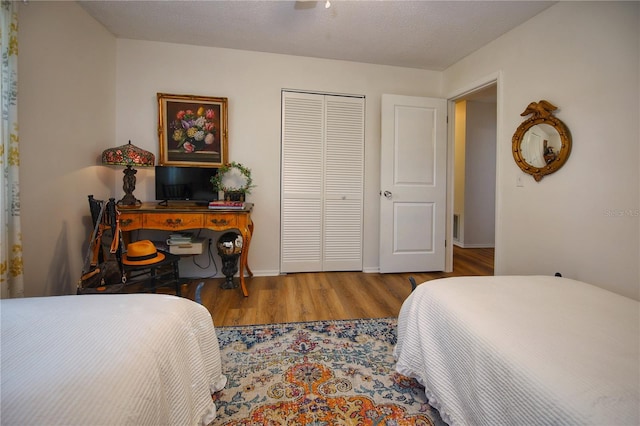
(523, 351)
(139, 359)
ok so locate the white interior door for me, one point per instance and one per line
(413, 184)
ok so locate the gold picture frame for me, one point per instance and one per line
(192, 130)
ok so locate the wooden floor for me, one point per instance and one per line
(324, 295)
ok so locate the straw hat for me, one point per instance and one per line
(142, 252)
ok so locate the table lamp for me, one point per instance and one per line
(128, 155)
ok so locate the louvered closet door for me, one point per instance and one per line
(343, 183)
(302, 171)
(322, 182)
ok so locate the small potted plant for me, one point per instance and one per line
(234, 180)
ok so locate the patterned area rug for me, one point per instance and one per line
(317, 373)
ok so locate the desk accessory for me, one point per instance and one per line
(128, 155)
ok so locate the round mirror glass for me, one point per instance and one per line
(540, 145)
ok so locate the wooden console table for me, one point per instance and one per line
(183, 217)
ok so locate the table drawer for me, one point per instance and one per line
(221, 220)
(130, 222)
(177, 221)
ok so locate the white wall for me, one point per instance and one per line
(583, 220)
(253, 82)
(66, 111)
(475, 173)
(480, 175)
(459, 157)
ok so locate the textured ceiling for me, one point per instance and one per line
(416, 34)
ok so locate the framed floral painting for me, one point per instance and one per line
(192, 130)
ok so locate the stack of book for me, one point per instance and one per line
(185, 243)
(179, 238)
(226, 205)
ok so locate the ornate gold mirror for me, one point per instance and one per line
(542, 143)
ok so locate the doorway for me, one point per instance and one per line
(473, 203)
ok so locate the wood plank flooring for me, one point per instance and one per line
(324, 295)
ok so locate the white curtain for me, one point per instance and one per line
(11, 278)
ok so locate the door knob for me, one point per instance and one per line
(387, 195)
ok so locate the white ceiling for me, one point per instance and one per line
(417, 34)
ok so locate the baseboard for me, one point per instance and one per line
(265, 273)
(370, 270)
(272, 273)
(477, 245)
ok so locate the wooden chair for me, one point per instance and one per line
(108, 246)
(104, 219)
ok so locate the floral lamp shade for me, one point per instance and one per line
(128, 155)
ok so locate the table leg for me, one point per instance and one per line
(246, 264)
(246, 238)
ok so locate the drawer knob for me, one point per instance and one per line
(174, 222)
(126, 222)
(219, 221)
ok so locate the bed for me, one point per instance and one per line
(516, 350)
(135, 359)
